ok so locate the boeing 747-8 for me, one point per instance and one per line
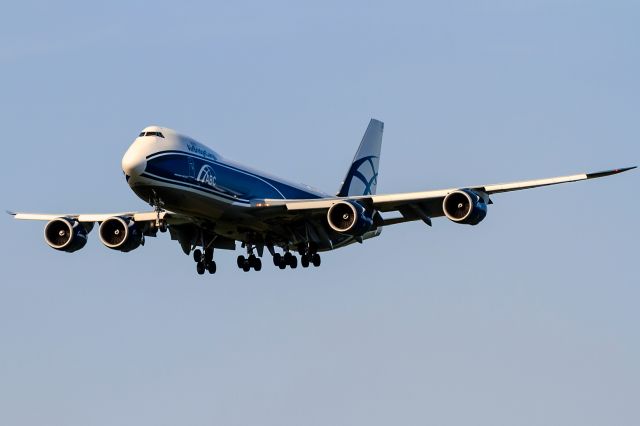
(207, 202)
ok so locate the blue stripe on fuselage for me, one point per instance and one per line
(216, 177)
(196, 187)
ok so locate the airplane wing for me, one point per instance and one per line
(91, 217)
(150, 223)
(427, 204)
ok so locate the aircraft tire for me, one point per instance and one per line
(211, 267)
(197, 255)
(257, 264)
(277, 259)
(241, 261)
(200, 268)
(316, 260)
(304, 261)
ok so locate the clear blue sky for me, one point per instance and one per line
(530, 318)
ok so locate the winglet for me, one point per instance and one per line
(9, 212)
(609, 172)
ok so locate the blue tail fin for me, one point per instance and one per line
(362, 177)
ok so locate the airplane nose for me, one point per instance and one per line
(133, 162)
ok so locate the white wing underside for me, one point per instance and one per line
(91, 217)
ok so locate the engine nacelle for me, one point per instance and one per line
(351, 218)
(65, 234)
(121, 234)
(464, 206)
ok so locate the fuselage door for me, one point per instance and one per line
(192, 168)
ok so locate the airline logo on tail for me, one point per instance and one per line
(365, 171)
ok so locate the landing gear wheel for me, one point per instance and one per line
(293, 263)
(197, 255)
(208, 255)
(255, 262)
(246, 267)
(304, 261)
(200, 268)
(211, 267)
(316, 260)
(241, 261)
(277, 259)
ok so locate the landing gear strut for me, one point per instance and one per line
(157, 205)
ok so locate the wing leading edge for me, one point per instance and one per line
(92, 217)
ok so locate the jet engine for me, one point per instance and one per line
(348, 217)
(121, 234)
(464, 206)
(66, 234)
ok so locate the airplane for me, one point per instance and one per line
(208, 202)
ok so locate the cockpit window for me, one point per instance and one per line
(152, 134)
(141, 134)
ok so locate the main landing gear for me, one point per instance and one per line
(308, 256)
(204, 262)
(282, 261)
(310, 259)
(247, 263)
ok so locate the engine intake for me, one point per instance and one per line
(349, 218)
(121, 234)
(464, 206)
(66, 235)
